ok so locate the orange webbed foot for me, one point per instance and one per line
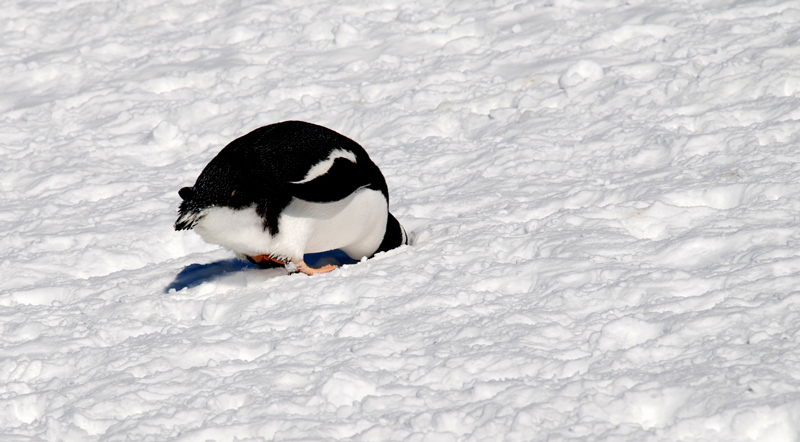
(266, 261)
(304, 268)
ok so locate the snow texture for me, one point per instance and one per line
(603, 197)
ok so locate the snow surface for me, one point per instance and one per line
(603, 197)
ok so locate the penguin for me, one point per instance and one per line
(289, 189)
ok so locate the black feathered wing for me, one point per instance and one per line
(340, 181)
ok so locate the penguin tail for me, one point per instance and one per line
(394, 237)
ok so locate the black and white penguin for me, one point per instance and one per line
(289, 189)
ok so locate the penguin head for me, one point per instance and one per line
(224, 182)
(202, 196)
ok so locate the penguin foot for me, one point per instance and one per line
(302, 267)
(266, 261)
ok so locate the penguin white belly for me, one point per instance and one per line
(241, 231)
(355, 225)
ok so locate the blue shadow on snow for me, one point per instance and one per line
(196, 274)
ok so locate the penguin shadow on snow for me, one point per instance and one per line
(194, 275)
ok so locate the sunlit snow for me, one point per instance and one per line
(603, 197)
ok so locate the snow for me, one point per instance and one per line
(602, 197)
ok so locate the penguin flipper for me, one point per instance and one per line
(342, 179)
